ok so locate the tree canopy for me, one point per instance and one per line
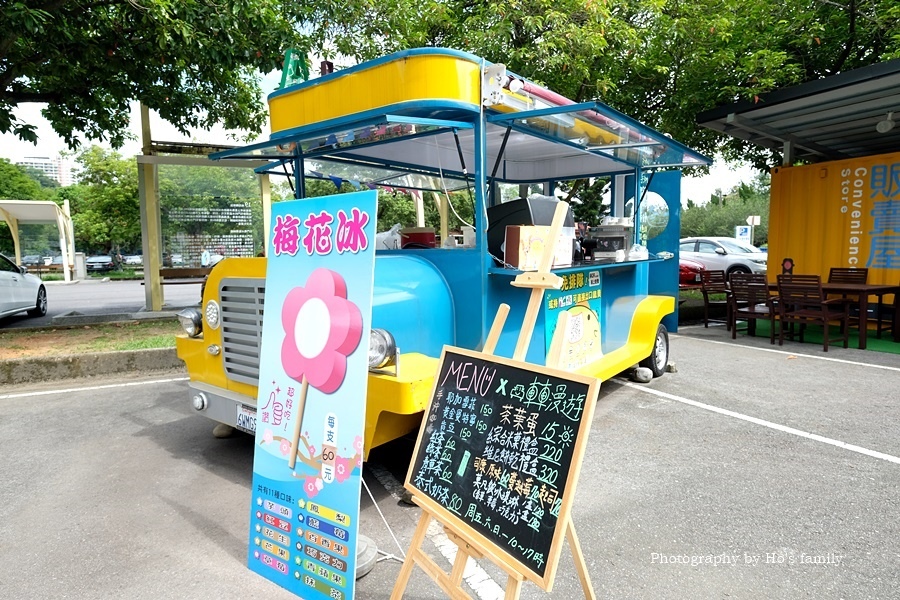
(197, 63)
(105, 208)
(662, 61)
(18, 184)
(725, 211)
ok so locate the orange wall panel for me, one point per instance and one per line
(838, 214)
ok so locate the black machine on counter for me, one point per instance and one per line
(603, 241)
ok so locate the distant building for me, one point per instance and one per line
(58, 168)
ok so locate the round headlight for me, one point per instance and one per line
(191, 321)
(212, 314)
(381, 348)
(198, 401)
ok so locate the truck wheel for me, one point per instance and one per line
(659, 358)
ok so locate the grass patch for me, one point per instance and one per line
(123, 275)
(693, 294)
(101, 337)
(157, 341)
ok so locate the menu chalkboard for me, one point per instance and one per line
(499, 452)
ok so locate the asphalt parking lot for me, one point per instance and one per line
(94, 297)
(753, 472)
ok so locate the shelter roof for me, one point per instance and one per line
(28, 212)
(828, 119)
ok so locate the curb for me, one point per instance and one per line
(77, 318)
(54, 368)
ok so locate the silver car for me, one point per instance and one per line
(20, 291)
(724, 254)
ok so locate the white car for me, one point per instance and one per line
(724, 254)
(20, 291)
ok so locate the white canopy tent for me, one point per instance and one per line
(37, 212)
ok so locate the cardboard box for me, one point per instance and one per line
(525, 245)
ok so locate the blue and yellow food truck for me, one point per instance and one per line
(433, 121)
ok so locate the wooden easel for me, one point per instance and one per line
(451, 583)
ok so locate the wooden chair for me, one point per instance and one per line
(847, 275)
(751, 301)
(714, 282)
(886, 313)
(842, 275)
(802, 302)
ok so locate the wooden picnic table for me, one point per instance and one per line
(862, 291)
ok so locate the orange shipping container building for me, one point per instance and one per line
(842, 213)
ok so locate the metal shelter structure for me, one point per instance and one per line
(836, 210)
(171, 153)
(38, 212)
(848, 115)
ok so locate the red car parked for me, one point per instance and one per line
(689, 272)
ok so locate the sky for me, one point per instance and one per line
(722, 175)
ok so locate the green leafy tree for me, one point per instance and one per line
(720, 218)
(194, 62)
(394, 207)
(587, 201)
(44, 180)
(462, 210)
(16, 184)
(662, 61)
(105, 206)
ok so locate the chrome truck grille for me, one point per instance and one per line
(241, 300)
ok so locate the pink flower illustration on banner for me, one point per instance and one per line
(342, 469)
(312, 485)
(267, 436)
(358, 444)
(285, 447)
(322, 327)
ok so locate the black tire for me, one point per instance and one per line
(40, 305)
(738, 269)
(659, 357)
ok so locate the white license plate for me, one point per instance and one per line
(697, 277)
(246, 419)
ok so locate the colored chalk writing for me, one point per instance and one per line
(498, 449)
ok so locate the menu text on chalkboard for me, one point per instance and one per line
(499, 453)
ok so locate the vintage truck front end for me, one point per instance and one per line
(222, 342)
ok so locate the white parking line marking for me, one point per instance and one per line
(764, 423)
(90, 388)
(797, 354)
